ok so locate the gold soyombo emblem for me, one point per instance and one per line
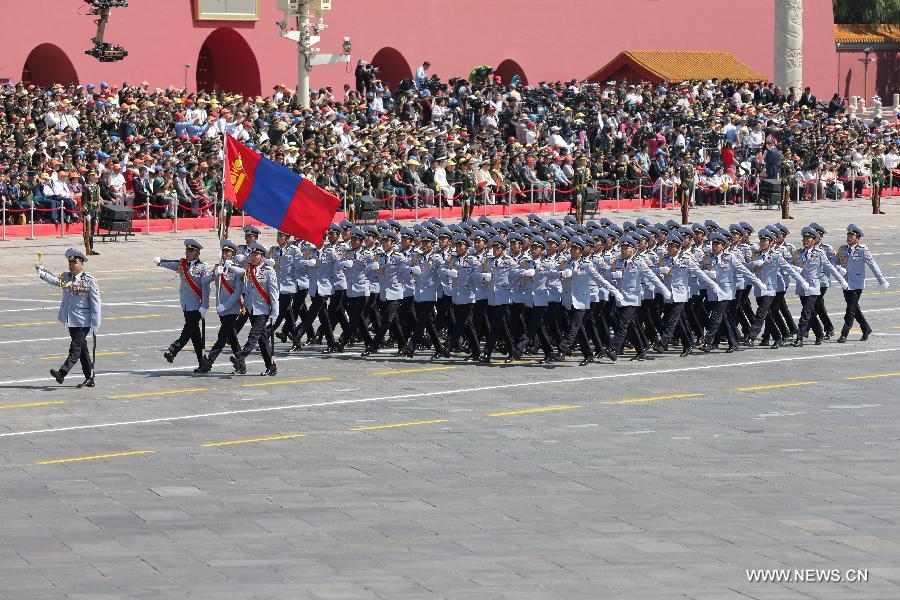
(238, 175)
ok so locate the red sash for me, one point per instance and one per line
(230, 289)
(262, 292)
(183, 269)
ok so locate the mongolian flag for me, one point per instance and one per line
(276, 195)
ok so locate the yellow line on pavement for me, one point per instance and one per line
(775, 385)
(259, 439)
(97, 457)
(368, 427)
(286, 381)
(653, 398)
(58, 356)
(874, 376)
(422, 370)
(159, 393)
(531, 410)
(104, 318)
(32, 404)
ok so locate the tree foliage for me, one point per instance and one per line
(870, 12)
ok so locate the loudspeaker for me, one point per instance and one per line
(368, 203)
(117, 213)
(591, 195)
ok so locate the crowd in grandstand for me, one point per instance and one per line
(426, 141)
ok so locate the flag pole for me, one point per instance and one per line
(224, 175)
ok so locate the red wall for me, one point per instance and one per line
(561, 40)
(883, 77)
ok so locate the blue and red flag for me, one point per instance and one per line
(276, 195)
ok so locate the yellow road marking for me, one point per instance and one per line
(531, 410)
(368, 427)
(159, 393)
(422, 370)
(161, 287)
(104, 318)
(32, 404)
(259, 439)
(58, 356)
(286, 381)
(653, 398)
(874, 376)
(97, 457)
(775, 385)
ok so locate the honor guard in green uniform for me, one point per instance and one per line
(90, 211)
(467, 195)
(788, 169)
(581, 180)
(686, 175)
(356, 187)
(877, 179)
(79, 311)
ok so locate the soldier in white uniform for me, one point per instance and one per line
(261, 303)
(79, 311)
(855, 258)
(229, 306)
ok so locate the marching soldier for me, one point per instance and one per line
(284, 254)
(877, 179)
(251, 236)
(355, 267)
(427, 269)
(855, 257)
(261, 303)
(812, 261)
(229, 305)
(90, 211)
(194, 299)
(79, 311)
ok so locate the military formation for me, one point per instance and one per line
(524, 287)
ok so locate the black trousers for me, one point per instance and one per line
(822, 314)
(78, 350)
(785, 312)
(480, 319)
(373, 310)
(535, 317)
(808, 304)
(462, 326)
(576, 332)
(626, 327)
(285, 312)
(190, 331)
(259, 336)
(497, 315)
(853, 312)
(357, 322)
(389, 320)
(515, 320)
(227, 335)
(674, 319)
(444, 320)
(337, 304)
(407, 316)
(425, 321)
(764, 317)
(738, 316)
(298, 310)
(599, 330)
(317, 309)
(720, 320)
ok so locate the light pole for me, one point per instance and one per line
(865, 61)
(186, 67)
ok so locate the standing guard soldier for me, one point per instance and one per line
(686, 175)
(581, 180)
(90, 211)
(356, 187)
(469, 189)
(194, 299)
(788, 169)
(79, 311)
(229, 305)
(877, 179)
(260, 300)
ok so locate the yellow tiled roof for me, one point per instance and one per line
(680, 65)
(866, 34)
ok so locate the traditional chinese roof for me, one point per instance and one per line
(858, 37)
(678, 65)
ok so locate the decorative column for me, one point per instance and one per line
(789, 44)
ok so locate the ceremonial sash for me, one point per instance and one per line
(183, 269)
(230, 289)
(262, 292)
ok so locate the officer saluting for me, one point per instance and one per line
(193, 297)
(79, 311)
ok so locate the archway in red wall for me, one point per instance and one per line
(226, 63)
(509, 68)
(48, 64)
(392, 67)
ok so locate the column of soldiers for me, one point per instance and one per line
(542, 287)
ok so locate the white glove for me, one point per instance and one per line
(616, 274)
(809, 290)
(452, 273)
(347, 264)
(719, 291)
(667, 294)
(203, 310)
(228, 263)
(844, 286)
(157, 260)
(240, 258)
(885, 285)
(566, 273)
(219, 270)
(415, 270)
(486, 277)
(39, 268)
(220, 308)
(94, 330)
(271, 321)
(664, 270)
(529, 273)
(269, 262)
(619, 296)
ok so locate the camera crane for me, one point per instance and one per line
(102, 50)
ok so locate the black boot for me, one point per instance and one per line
(89, 382)
(169, 355)
(205, 366)
(865, 335)
(842, 339)
(270, 371)
(58, 374)
(240, 367)
(798, 343)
